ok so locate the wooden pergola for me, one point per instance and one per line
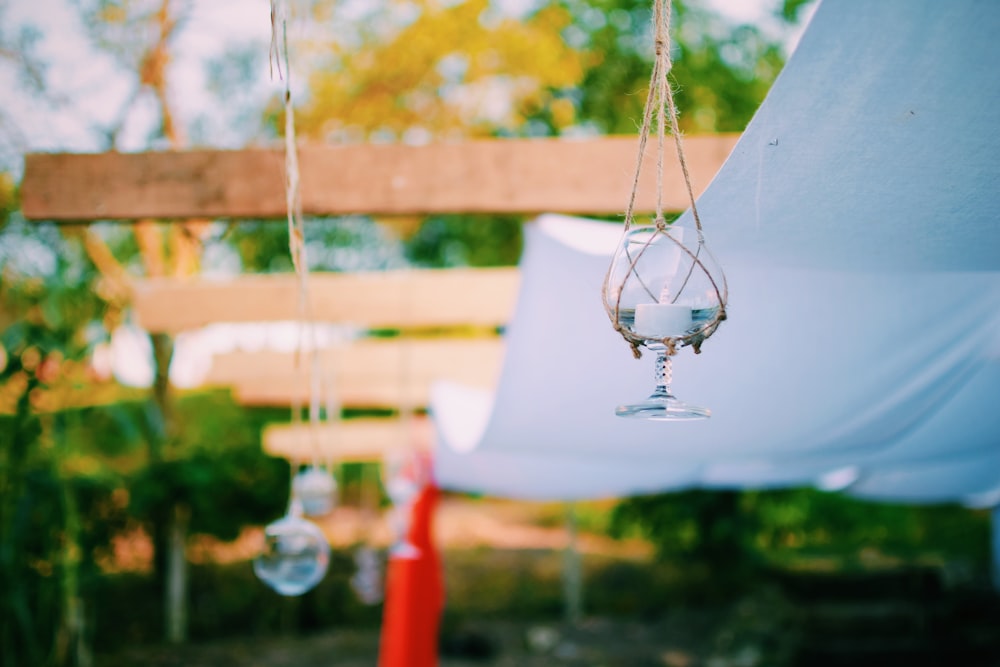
(465, 308)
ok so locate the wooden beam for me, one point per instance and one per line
(526, 176)
(385, 299)
(349, 440)
(368, 373)
(286, 391)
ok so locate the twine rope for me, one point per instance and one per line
(660, 104)
(279, 55)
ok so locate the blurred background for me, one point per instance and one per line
(110, 454)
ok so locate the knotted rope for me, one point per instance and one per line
(661, 105)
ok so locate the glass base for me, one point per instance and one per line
(663, 408)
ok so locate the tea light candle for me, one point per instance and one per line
(662, 320)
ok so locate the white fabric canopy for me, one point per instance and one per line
(857, 223)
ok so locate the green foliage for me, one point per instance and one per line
(30, 539)
(216, 469)
(363, 244)
(8, 198)
(351, 243)
(696, 524)
(804, 521)
(466, 240)
(791, 10)
(720, 72)
(55, 519)
(47, 290)
(226, 600)
(53, 515)
(727, 530)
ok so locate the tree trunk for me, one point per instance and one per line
(572, 571)
(71, 646)
(175, 610)
(170, 540)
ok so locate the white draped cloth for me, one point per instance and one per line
(857, 222)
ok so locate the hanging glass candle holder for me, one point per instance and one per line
(367, 580)
(315, 486)
(295, 554)
(403, 480)
(664, 291)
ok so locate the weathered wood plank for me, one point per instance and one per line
(350, 440)
(405, 299)
(368, 373)
(591, 175)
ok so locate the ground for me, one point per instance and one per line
(503, 562)
(485, 644)
(510, 541)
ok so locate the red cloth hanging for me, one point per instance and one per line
(414, 595)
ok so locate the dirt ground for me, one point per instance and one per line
(594, 643)
(683, 640)
(493, 548)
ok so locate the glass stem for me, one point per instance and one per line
(663, 373)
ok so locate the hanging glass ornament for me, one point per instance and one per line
(315, 486)
(664, 290)
(295, 554)
(402, 479)
(367, 580)
(663, 296)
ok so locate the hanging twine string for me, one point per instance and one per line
(407, 406)
(660, 105)
(278, 55)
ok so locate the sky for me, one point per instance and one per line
(78, 72)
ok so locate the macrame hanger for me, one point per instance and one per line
(661, 109)
(406, 402)
(661, 105)
(332, 412)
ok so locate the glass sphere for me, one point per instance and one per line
(367, 580)
(294, 557)
(314, 487)
(403, 477)
(664, 285)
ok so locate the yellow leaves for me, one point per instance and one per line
(462, 68)
(563, 112)
(8, 195)
(113, 13)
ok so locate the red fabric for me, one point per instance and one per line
(414, 596)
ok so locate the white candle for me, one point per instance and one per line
(662, 320)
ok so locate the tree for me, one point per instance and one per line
(436, 71)
(139, 35)
(720, 72)
(45, 501)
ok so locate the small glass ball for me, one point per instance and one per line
(295, 556)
